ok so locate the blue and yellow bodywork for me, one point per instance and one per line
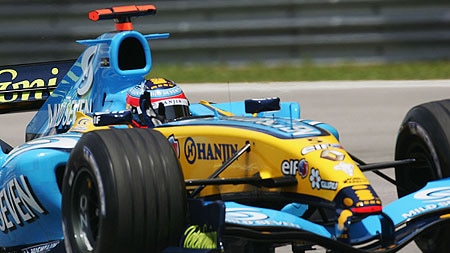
(309, 170)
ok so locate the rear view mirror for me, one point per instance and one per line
(262, 105)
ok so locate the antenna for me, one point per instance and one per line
(122, 15)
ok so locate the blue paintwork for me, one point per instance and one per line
(31, 199)
(435, 196)
(29, 194)
(280, 127)
(287, 117)
(433, 199)
(249, 216)
(89, 86)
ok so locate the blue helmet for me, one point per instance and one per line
(160, 98)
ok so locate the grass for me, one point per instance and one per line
(426, 70)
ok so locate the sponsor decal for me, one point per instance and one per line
(30, 81)
(293, 166)
(345, 167)
(294, 129)
(309, 149)
(87, 79)
(440, 197)
(82, 125)
(64, 114)
(165, 90)
(289, 127)
(318, 183)
(208, 151)
(175, 144)
(46, 247)
(423, 209)
(315, 179)
(9, 83)
(171, 102)
(251, 216)
(355, 180)
(332, 155)
(87, 153)
(434, 194)
(18, 204)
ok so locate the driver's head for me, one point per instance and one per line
(161, 100)
(168, 99)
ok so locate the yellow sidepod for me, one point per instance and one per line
(322, 167)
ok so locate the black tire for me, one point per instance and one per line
(123, 191)
(425, 136)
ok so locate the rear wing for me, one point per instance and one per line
(25, 87)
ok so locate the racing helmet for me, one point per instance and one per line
(167, 99)
(156, 100)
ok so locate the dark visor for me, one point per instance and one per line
(176, 111)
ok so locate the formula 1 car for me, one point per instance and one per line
(245, 176)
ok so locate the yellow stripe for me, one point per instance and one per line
(223, 112)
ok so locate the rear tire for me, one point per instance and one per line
(123, 191)
(425, 135)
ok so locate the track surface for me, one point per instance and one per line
(367, 114)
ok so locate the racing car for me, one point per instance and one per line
(116, 161)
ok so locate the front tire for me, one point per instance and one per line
(425, 136)
(123, 191)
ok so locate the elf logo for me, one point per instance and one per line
(293, 166)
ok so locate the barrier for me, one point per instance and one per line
(238, 31)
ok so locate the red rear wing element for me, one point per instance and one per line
(122, 15)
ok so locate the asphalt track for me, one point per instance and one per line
(367, 113)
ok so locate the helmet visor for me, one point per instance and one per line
(176, 111)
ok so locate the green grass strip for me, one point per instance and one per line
(426, 70)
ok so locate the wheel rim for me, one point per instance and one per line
(423, 175)
(424, 169)
(424, 172)
(85, 211)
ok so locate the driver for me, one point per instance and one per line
(156, 100)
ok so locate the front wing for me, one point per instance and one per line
(388, 231)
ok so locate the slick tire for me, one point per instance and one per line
(123, 191)
(425, 135)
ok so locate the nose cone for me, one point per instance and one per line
(360, 199)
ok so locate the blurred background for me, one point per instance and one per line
(239, 31)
